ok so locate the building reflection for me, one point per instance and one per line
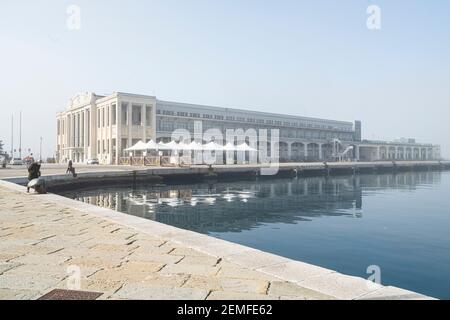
(238, 206)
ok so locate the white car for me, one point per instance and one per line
(92, 161)
(16, 162)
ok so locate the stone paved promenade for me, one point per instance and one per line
(45, 240)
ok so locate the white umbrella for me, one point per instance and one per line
(212, 146)
(245, 147)
(195, 146)
(229, 147)
(152, 145)
(140, 146)
(167, 146)
(183, 146)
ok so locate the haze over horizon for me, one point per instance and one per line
(314, 59)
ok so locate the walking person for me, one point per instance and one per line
(69, 167)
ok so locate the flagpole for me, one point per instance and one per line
(12, 136)
(20, 135)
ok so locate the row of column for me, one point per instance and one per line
(305, 149)
(129, 124)
(75, 134)
(413, 154)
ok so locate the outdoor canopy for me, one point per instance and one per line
(140, 146)
(152, 145)
(195, 146)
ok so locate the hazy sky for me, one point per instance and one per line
(309, 58)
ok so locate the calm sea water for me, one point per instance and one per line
(400, 223)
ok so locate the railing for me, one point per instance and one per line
(151, 161)
(125, 161)
(137, 161)
(185, 161)
(169, 161)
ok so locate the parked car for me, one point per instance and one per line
(16, 162)
(93, 161)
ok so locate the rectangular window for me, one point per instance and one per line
(148, 116)
(124, 114)
(103, 117)
(58, 128)
(136, 115)
(124, 143)
(113, 115)
(98, 118)
(108, 114)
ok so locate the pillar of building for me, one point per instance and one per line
(72, 151)
(305, 148)
(289, 151)
(144, 123)
(130, 124)
(396, 153)
(110, 140)
(78, 130)
(86, 137)
(320, 151)
(378, 153)
(357, 156)
(118, 130)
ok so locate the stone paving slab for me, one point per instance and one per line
(49, 242)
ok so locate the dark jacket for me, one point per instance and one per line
(34, 171)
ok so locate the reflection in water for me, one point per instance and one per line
(397, 222)
(233, 207)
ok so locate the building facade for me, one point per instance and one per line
(102, 127)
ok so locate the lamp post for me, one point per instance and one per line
(40, 151)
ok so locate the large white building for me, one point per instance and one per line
(95, 126)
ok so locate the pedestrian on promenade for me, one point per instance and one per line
(34, 172)
(71, 169)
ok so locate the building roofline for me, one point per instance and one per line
(256, 112)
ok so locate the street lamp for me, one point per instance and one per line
(40, 151)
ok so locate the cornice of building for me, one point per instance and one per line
(244, 111)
